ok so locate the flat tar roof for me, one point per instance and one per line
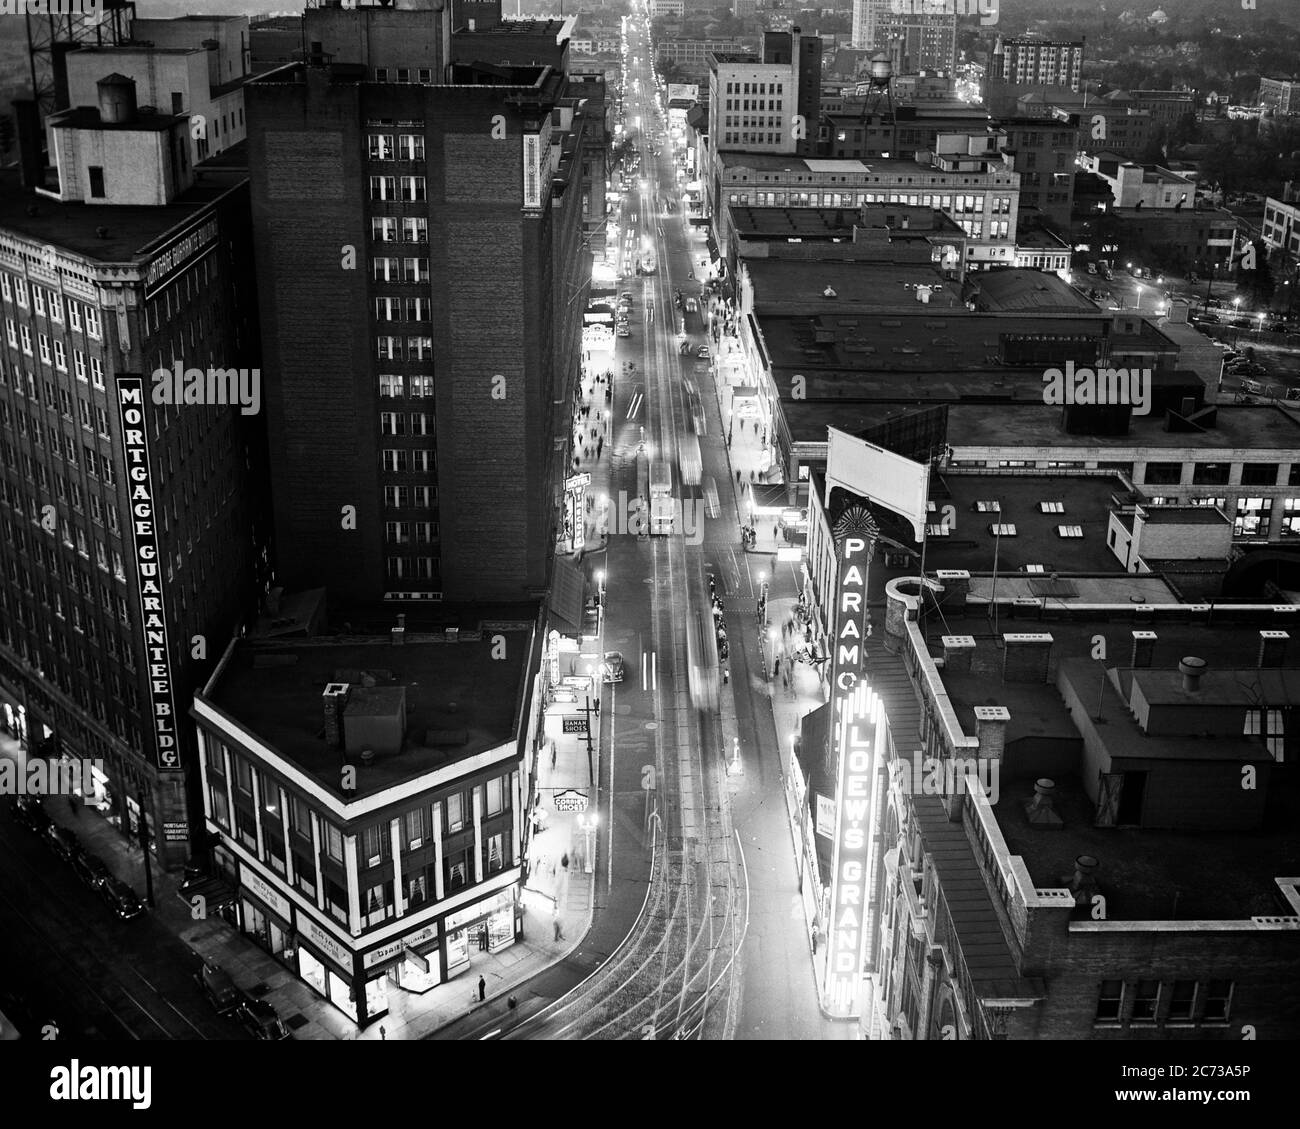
(274, 690)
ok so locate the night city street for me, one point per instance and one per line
(651, 521)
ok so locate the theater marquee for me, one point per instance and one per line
(858, 735)
(149, 582)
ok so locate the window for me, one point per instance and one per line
(1210, 474)
(494, 853)
(420, 423)
(383, 188)
(333, 842)
(457, 863)
(1110, 1001)
(25, 335)
(383, 229)
(1268, 725)
(391, 385)
(1146, 1000)
(415, 270)
(419, 348)
(92, 323)
(455, 812)
(97, 373)
(1051, 507)
(374, 844)
(244, 775)
(74, 315)
(1164, 474)
(396, 496)
(397, 532)
(1002, 530)
(79, 364)
(300, 816)
(411, 146)
(420, 386)
(988, 507)
(60, 356)
(395, 459)
(388, 309)
(387, 270)
(96, 174)
(1070, 531)
(426, 531)
(1253, 517)
(494, 790)
(38, 300)
(413, 188)
(1182, 999)
(419, 309)
(388, 348)
(415, 229)
(1259, 474)
(1291, 517)
(381, 149)
(1218, 1001)
(11, 332)
(413, 828)
(417, 891)
(220, 811)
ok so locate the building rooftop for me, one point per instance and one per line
(1243, 427)
(1028, 291)
(1144, 874)
(838, 223)
(128, 231)
(462, 698)
(793, 283)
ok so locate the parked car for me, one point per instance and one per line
(219, 988)
(90, 869)
(623, 331)
(703, 352)
(1292, 393)
(30, 814)
(260, 1020)
(121, 898)
(61, 841)
(612, 667)
(1252, 386)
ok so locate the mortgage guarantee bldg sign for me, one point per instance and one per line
(149, 581)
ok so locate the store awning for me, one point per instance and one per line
(215, 892)
(699, 221)
(567, 584)
(770, 496)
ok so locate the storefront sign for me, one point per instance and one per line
(176, 832)
(575, 725)
(256, 885)
(577, 481)
(323, 941)
(135, 443)
(570, 800)
(825, 816)
(394, 948)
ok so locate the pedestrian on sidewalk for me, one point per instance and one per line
(814, 940)
(737, 478)
(751, 476)
(559, 928)
(785, 678)
(482, 989)
(776, 666)
(775, 530)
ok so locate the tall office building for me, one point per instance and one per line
(1032, 61)
(419, 216)
(869, 18)
(920, 42)
(129, 550)
(754, 103)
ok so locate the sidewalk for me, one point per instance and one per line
(411, 1015)
(593, 444)
(796, 692)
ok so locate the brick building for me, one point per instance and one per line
(464, 244)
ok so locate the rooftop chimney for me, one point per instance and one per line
(334, 699)
(1272, 648)
(991, 730)
(958, 650)
(1144, 648)
(1191, 668)
(1027, 657)
(1039, 810)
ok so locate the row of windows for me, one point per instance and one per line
(46, 303)
(389, 269)
(409, 147)
(1151, 1001)
(402, 497)
(408, 532)
(756, 104)
(62, 447)
(400, 460)
(416, 387)
(403, 74)
(412, 568)
(403, 309)
(1219, 474)
(755, 88)
(54, 352)
(399, 229)
(741, 138)
(405, 423)
(410, 189)
(391, 348)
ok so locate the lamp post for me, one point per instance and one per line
(589, 709)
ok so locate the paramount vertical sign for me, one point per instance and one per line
(144, 536)
(858, 728)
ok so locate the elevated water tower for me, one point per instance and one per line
(880, 85)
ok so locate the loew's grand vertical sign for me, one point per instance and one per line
(858, 732)
(149, 582)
